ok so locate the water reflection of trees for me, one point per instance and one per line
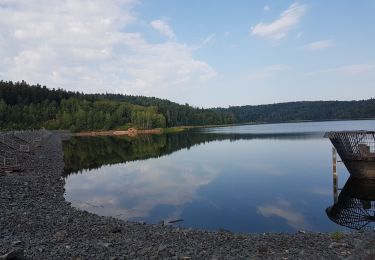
(86, 153)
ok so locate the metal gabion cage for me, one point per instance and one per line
(354, 145)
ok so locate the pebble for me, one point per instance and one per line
(16, 243)
(336, 244)
(104, 244)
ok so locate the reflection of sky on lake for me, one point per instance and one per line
(284, 210)
(257, 185)
(134, 189)
(307, 127)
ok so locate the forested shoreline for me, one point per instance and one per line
(24, 106)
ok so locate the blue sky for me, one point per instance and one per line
(205, 53)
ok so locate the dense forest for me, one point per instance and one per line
(24, 106)
(305, 111)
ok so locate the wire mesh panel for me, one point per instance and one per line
(7, 141)
(15, 145)
(354, 145)
(355, 207)
(353, 213)
(14, 142)
(357, 151)
(24, 148)
(30, 137)
(8, 161)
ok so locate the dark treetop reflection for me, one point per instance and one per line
(236, 180)
(86, 153)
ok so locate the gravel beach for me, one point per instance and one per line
(37, 223)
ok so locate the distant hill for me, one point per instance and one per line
(24, 106)
(305, 111)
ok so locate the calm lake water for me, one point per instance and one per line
(248, 178)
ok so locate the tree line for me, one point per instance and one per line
(24, 106)
(305, 111)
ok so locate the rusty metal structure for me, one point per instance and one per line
(355, 207)
(354, 145)
(357, 151)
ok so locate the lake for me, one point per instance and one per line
(247, 178)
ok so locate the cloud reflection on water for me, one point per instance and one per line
(133, 190)
(284, 210)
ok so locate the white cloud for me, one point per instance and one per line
(266, 8)
(161, 64)
(355, 69)
(163, 28)
(86, 46)
(279, 28)
(209, 39)
(348, 70)
(266, 72)
(318, 45)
